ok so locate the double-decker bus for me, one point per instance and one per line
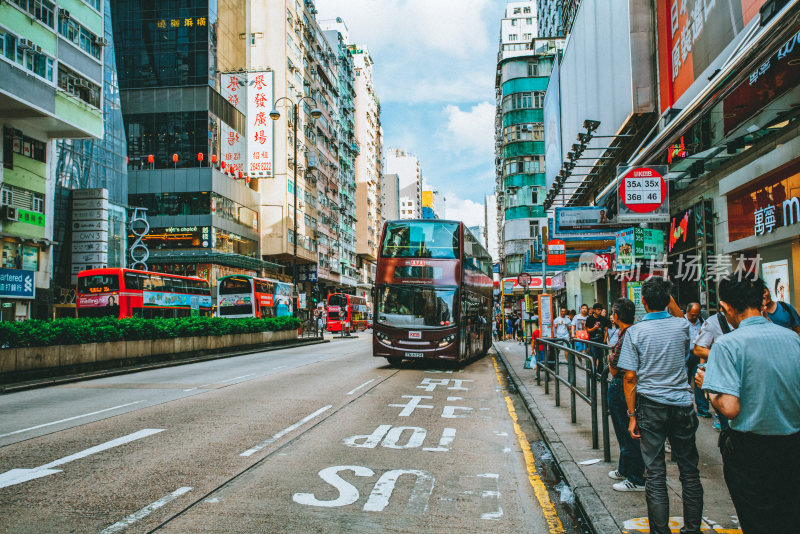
(241, 295)
(433, 293)
(356, 312)
(125, 293)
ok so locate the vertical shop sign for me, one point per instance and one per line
(232, 143)
(259, 126)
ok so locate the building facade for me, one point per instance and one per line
(429, 207)
(369, 170)
(406, 166)
(523, 72)
(51, 80)
(556, 17)
(390, 198)
(99, 166)
(183, 100)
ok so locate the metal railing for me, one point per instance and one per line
(588, 391)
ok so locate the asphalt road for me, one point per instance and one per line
(322, 438)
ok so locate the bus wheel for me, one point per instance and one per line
(395, 361)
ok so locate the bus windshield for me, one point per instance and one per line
(98, 283)
(234, 285)
(421, 239)
(415, 307)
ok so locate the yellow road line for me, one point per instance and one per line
(540, 490)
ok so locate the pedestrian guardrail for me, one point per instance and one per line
(588, 392)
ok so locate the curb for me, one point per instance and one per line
(90, 375)
(593, 508)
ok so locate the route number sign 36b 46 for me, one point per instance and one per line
(643, 194)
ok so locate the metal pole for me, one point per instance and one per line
(524, 329)
(294, 144)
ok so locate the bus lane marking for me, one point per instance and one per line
(361, 386)
(390, 437)
(68, 419)
(412, 404)
(144, 512)
(279, 435)
(18, 476)
(554, 524)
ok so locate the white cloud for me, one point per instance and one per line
(471, 130)
(459, 209)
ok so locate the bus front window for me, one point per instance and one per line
(415, 307)
(423, 239)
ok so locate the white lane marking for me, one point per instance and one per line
(279, 367)
(144, 512)
(279, 435)
(449, 399)
(69, 419)
(18, 476)
(197, 387)
(236, 378)
(361, 386)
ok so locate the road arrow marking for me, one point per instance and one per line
(147, 510)
(17, 476)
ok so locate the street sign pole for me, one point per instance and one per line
(524, 279)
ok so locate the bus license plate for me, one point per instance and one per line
(414, 355)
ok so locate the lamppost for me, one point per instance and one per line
(275, 115)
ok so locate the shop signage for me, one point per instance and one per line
(90, 215)
(89, 257)
(259, 125)
(602, 262)
(98, 246)
(84, 194)
(643, 194)
(691, 36)
(638, 244)
(180, 230)
(233, 88)
(556, 252)
(682, 232)
(31, 217)
(90, 204)
(79, 226)
(81, 237)
(17, 283)
(764, 207)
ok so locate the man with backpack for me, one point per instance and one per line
(780, 313)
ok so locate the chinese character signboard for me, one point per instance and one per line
(692, 34)
(638, 244)
(556, 252)
(16, 283)
(643, 194)
(232, 143)
(259, 126)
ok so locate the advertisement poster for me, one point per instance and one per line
(546, 315)
(98, 301)
(243, 299)
(776, 278)
(169, 300)
(639, 244)
(634, 293)
(625, 248)
(30, 258)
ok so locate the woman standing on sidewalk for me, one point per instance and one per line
(630, 471)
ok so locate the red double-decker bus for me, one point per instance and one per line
(433, 293)
(356, 312)
(125, 293)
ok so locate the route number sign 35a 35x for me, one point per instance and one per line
(643, 194)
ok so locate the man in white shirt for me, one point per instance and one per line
(561, 326)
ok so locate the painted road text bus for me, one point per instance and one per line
(433, 293)
(130, 293)
(355, 308)
(242, 295)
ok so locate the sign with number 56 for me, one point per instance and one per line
(643, 194)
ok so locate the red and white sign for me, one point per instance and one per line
(602, 262)
(260, 133)
(232, 143)
(556, 252)
(524, 279)
(644, 195)
(414, 334)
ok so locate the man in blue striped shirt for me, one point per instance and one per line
(752, 377)
(661, 404)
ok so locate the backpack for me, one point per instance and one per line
(723, 323)
(792, 313)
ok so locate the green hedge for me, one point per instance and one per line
(37, 333)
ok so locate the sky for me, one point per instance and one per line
(434, 73)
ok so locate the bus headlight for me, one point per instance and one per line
(447, 340)
(383, 338)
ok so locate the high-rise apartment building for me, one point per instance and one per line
(390, 205)
(97, 168)
(184, 82)
(51, 79)
(406, 166)
(490, 237)
(429, 208)
(523, 71)
(556, 17)
(369, 169)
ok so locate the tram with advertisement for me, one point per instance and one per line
(345, 310)
(125, 293)
(433, 293)
(242, 295)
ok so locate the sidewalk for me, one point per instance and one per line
(607, 510)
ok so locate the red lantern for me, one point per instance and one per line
(247, 179)
(200, 157)
(213, 158)
(127, 160)
(223, 165)
(241, 174)
(175, 158)
(150, 158)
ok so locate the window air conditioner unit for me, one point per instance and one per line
(9, 213)
(25, 44)
(101, 41)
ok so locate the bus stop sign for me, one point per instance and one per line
(524, 279)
